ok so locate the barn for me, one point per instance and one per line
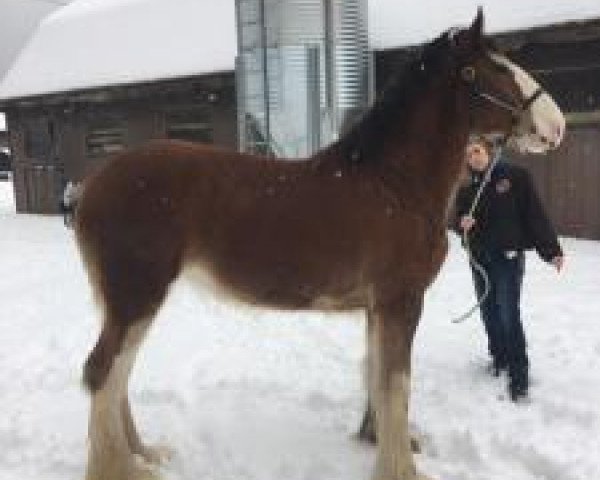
(89, 84)
(95, 94)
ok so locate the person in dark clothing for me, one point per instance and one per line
(508, 220)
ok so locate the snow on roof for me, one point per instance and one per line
(94, 43)
(396, 23)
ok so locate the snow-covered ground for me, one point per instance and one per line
(243, 395)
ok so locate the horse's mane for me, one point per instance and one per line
(363, 142)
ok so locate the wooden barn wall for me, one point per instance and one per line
(66, 123)
(570, 71)
(569, 178)
(568, 181)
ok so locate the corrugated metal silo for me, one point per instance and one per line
(303, 70)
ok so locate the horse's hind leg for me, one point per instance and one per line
(111, 456)
(151, 454)
(131, 292)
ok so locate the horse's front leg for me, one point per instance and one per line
(391, 334)
(367, 430)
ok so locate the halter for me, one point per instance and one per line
(517, 111)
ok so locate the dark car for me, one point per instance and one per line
(5, 166)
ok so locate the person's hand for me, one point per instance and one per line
(466, 223)
(558, 262)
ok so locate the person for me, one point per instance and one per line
(68, 201)
(508, 219)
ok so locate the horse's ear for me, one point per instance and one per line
(470, 39)
(476, 28)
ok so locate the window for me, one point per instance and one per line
(105, 136)
(191, 125)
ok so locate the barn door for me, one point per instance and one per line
(40, 175)
(41, 183)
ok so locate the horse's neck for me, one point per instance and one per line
(424, 161)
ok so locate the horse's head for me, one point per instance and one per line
(504, 99)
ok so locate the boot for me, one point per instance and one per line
(518, 386)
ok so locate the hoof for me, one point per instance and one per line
(143, 470)
(366, 436)
(417, 476)
(157, 454)
(367, 432)
(130, 467)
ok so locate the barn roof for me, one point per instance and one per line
(95, 43)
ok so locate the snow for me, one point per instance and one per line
(395, 23)
(243, 394)
(2, 122)
(94, 43)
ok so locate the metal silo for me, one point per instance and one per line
(303, 70)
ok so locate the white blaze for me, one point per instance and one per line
(545, 116)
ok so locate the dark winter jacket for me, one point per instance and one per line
(509, 216)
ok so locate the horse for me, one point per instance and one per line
(361, 224)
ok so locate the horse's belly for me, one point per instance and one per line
(270, 292)
(204, 279)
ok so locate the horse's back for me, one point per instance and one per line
(146, 186)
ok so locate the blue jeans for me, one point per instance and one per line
(501, 313)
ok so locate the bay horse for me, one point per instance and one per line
(359, 225)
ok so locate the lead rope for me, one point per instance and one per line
(465, 236)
